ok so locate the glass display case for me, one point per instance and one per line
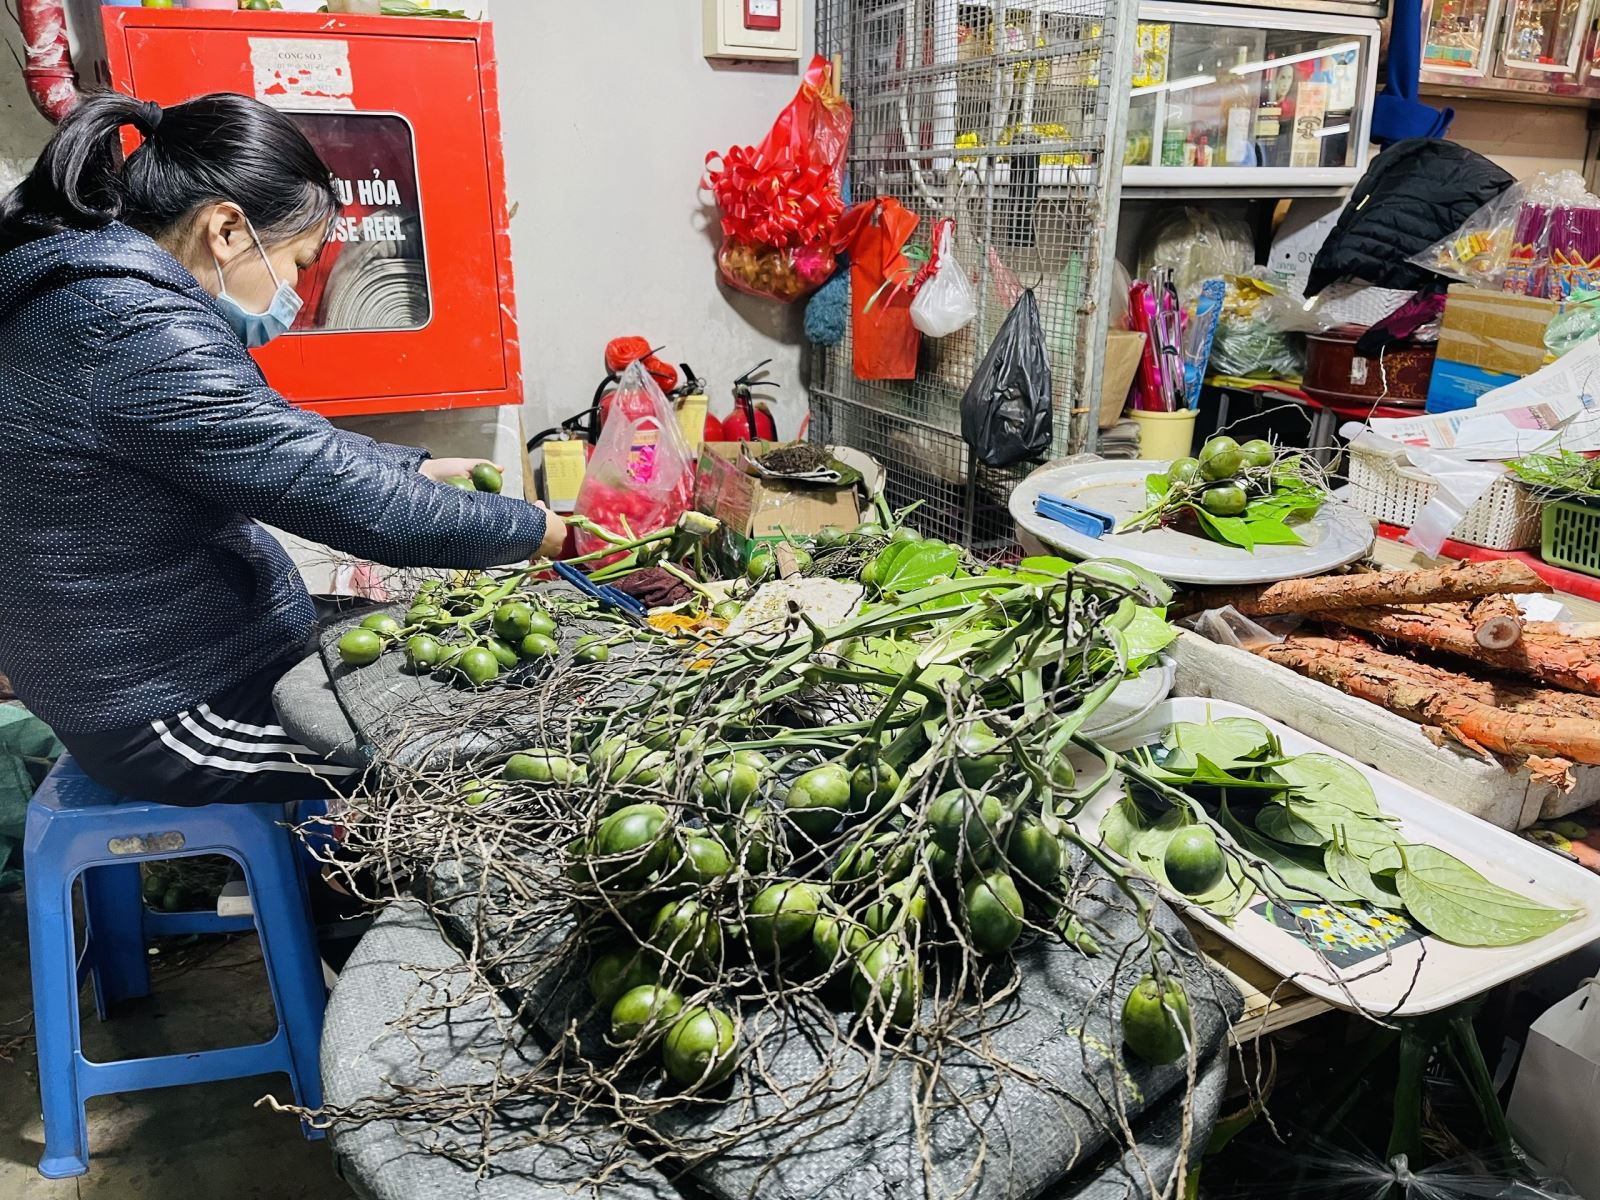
(1459, 37)
(1543, 40)
(1537, 47)
(1230, 98)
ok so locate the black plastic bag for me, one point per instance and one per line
(1006, 415)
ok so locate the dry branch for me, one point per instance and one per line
(1476, 725)
(1464, 581)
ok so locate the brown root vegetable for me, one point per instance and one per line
(1366, 589)
(1496, 622)
(1475, 725)
(1512, 697)
(1572, 663)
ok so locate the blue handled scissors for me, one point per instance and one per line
(603, 593)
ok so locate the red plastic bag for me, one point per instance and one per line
(780, 200)
(641, 476)
(883, 339)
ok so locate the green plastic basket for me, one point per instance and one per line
(1569, 534)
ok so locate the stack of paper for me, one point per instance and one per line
(1555, 408)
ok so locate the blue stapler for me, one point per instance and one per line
(1079, 518)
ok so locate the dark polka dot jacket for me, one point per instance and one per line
(139, 445)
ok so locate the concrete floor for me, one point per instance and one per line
(192, 1142)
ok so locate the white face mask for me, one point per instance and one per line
(257, 329)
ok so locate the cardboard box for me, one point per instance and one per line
(764, 510)
(1486, 340)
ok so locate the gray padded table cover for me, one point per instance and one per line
(363, 1055)
(311, 713)
(420, 721)
(1044, 1140)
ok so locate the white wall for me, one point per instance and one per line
(22, 129)
(1522, 138)
(608, 111)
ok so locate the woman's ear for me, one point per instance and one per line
(224, 232)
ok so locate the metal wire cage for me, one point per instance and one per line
(1003, 115)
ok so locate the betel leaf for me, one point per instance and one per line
(1122, 821)
(1323, 779)
(1364, 835)
(1385, 861)
(1236, 531)
(1247, 532)
(1208, 774)
(1283, 876)
(1131, 831)
(1345, 868)
(1230, 896)
(1229, 742)
(1142, 840)
(1453, 902)
(1282, 823)
(907, 566)
(1146, 636)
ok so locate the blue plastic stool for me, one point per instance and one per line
(77, 828)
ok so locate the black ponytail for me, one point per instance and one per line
(217, 147)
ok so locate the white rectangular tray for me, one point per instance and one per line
(1415, 977)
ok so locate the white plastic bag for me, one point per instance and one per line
(945, 302)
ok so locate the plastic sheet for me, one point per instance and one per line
(1197, 245)
(1045, 1128)
(1227, 626)
(1253, 334)
(1540, 237)
(1576, 323)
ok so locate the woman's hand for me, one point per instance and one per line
(555, 533)
(440, 469)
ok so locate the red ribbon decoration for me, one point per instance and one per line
(785, 193)
(781, 203)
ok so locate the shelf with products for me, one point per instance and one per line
(1543, 39)
(1543, 48)
(1458, 39)
(944, 87)
(1226, 99)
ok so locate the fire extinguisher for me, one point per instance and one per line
(693, 385)
(750, 421)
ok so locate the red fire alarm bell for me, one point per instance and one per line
(763, 14)
(411, 305)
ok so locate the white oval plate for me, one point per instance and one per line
(1337, 535)
(1133, 699)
